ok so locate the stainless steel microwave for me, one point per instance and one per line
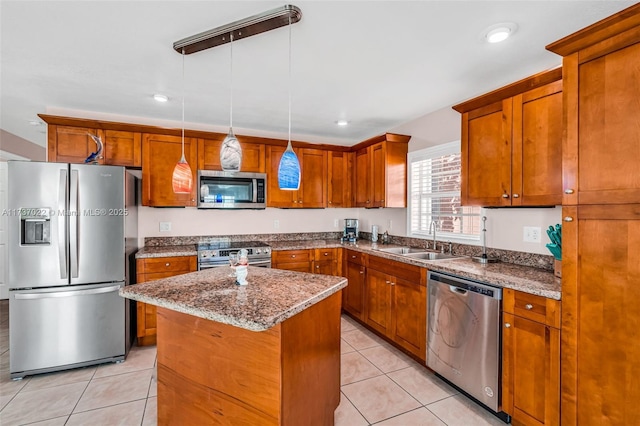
(231, 190)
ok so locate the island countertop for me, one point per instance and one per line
(271, 296)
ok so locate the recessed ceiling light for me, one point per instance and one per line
(342, 122)
(160, 98)
(499, 32)
(35, 123)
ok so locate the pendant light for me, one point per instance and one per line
(230, 150)
(182, 179)
(289, 167)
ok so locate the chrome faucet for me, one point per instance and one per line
(433, 225)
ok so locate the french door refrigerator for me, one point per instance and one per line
(71, 229)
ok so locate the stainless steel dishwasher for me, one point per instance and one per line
(463, 335)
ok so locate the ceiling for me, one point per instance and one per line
(377, 64)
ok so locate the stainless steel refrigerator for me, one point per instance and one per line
(72, 229)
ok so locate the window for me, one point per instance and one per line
(434, 195)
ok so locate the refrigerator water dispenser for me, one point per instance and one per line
(35, 226)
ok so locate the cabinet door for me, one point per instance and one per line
(531, 371)
(378, 301)
(355, 290)
(275, 196)
(160, 153)
(486, 155)
(326, 261)
(604, 164)
(253, 155)
(537, 147)
(600, 317)
(313, 178)
(68, 144)
(339, 169)
(361, 178)
(122, 148)
(410, 316)
(378, 174)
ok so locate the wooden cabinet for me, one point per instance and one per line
(396, 303)
(512, 144)
(339, 177)
(380, 176)
(72, 144)
(253, 155)
(160, 153)
(353, 294)
(153, 269)
(531, 359)
(313, 179)
(327, 261)
(601, 226)
(293, 260)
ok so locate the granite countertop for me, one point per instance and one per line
(167, 251)
(271, 297)
(508, 275)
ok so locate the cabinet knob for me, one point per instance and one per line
(317, 266)
(353, 256)
(382, 201)
(293, 255)
(387, 281)
(568, 191)
(367, 201)
(167, 264)
(568, 219)
(516, 195)
(507, 325)
(505, 195)
(362, 272)
(329, 202)
(528, 306)
(392, 283)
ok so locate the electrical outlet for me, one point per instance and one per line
(276, 224)
(531, 234)
(165, 226)
(335, 223)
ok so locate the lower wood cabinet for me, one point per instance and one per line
(396, 303)
(327, 261)
(292, 260)
(531, 359)
(155, 268)
(353, 294)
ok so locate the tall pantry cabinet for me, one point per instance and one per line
(600, 355)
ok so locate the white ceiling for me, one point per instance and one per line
(378, 64)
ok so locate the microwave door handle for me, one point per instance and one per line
(73, 223)
(62, 223)
(255, 190)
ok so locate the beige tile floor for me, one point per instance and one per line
(380, 385)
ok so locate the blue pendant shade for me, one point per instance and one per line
(289, 171)
(289, 167)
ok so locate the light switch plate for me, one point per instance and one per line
(531, 234)
(165, 226)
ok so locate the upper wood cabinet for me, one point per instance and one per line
(511, 144)
(72, 144)
(339, 177)
(313, 179)
(253, 155)
(380, 176)
(160, 153)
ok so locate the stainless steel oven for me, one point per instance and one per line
(216, 254)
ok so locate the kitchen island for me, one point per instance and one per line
(266, 353)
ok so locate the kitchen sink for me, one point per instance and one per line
(401, 250)
(428, 255)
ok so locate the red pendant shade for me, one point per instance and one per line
(182, 180)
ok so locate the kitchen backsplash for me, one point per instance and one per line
(508, 256)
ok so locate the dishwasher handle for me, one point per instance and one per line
(458, 290)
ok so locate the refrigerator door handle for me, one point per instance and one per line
(62, 223)
(73, 224)
(68, 293)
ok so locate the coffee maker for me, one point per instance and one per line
(350, 230)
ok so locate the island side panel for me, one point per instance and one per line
(213, 373)
(311, 364)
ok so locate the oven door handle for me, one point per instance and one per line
(260, 262)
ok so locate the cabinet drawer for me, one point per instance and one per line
(166, 264)
(326, 254)
(285, 256)
(357, 257)
(533, 307)
(402, 270)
